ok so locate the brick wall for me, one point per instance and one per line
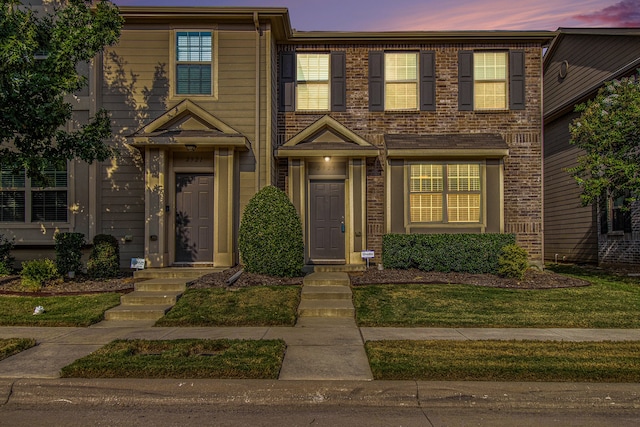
(621, 248)
(520, 129)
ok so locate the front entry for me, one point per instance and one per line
(326, 224)
(194, 218)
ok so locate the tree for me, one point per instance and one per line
(608, 132)
(39, 56)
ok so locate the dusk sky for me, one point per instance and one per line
(428, 15)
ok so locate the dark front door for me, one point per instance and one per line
(326, 223)
(194, 217)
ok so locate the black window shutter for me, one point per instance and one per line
(376, 81)
(465, 80)
(287, 81)
(517, 93)
(338, 81)
(427, 80)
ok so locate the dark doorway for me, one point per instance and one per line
(194, 218)
(326, 223)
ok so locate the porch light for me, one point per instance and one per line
(190, 147)
(327, 158)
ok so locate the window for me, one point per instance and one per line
(490, 80)
(312, 77)
(193, 63)
(430, 192)
(28, 200)
(401, 81)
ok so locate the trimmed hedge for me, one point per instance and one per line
(69, 252)
(270, 235)
(463, 253)
(104, 260)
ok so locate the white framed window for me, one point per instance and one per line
(445, 192)
(401, 81)
(312, 82)
(490, 80)
(194, 63)
(23, 199)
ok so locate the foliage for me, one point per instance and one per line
(252, 306)
(183, 358)
(77, 310)
(37, 273)
(270, 236)
(11, 346)
(39, 58)
(68, 251)
(504, 361)
(513, 262)
(6, 259)
(104, 260)
(607, 130)
(468, 253)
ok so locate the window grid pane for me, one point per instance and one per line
(10, 179)
(401, 67)
(312, 67)
(194, 47)
(426, 207)
(401, 96)
(194, 79)
(312, 96)
(49, 206)
(401, 81)
(193, 70)
(463, 207)
(463, 177)
(12, 206)
(490, 74)
(490, 96)
(426, 178)
(312, 75)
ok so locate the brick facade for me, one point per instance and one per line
(616, 248)
(521, 129)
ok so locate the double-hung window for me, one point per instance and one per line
(490, 80)
(193, 63)
(401, 81)
(444, 193)
(312, 78)
(24, 199)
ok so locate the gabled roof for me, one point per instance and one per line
(327, 137)
(188, 124)
(455, 145)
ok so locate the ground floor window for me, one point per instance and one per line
(444, 192)
(23, 199)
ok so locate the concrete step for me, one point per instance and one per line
(315, 292)
(150, 298)
(162, 285)
(345, 268)
(137, 312)
(326, 308)
(327, 279)
(175, 272)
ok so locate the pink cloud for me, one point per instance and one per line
(622, 14)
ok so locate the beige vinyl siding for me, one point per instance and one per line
(570, 228)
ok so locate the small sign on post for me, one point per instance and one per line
(137, 263)
(367, 255)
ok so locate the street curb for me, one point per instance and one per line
(177, 392)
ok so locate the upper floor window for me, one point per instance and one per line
(490, 80)
(193, 63)
(401, 81)
(312, 77)
(23, 199)
(447, 193)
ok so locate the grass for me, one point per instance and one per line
(11, 346)
(80, 310)
(253, 306)
(188, 358)
(610, 302)
(505, 361)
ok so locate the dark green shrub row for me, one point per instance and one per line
(104, 260)
(270, 235)
(468, 253)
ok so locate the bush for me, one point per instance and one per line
(104, 260)
(69, 251)
(37, 273)
(513, 262)
(270, 235)
(464, 253)
(6, 260)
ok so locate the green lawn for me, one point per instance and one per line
(188, 358)
(253, 306)
(505, 361)
(81, 310)
(11, 346)
(611, 302)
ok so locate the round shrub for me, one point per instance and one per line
(270, 235)
(69, 251)
(104, 260)
(37, 273)
(513, 262)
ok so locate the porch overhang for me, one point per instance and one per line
(316, 149)
(194, 141)
(446, 146)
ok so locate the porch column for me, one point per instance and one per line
(224, 193)
(155, 246)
